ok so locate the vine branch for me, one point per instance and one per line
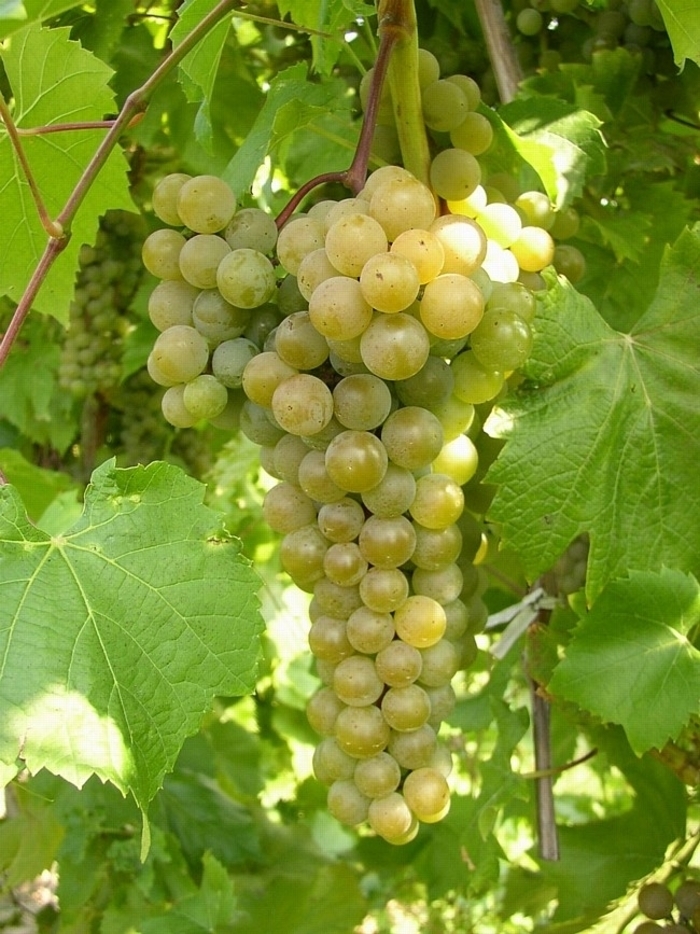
(504, 61)
(133, 105)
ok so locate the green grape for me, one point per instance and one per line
(362, 732)
(420, 621)
(302, 552)
(648, 927)
(340, 602)
(171, 302)
(454, 415)
(454, 174)
(534, 249)
(428, 388)
(356, 681)
(314, 269)
(474, 134)
(463, 242)
(502, 341)
(406, 708)
(393, 494)
(400, 204)
(288, 454)
(154, 372)
(205, 397)
(390, 816)
(302, 404)
(356, 461)
(286, 508)
(344, 564)
(341, 521)
(165, 195)
(299, 237)
(298, 342)
(440, 664)
(415, 749)
(262, 375)
(246, 278)
(442, 584)
(199, 259)
(384, 590)
(387, 542)
(377, 776)
(330, 763)
(380, 177)
(399, 664)
(369, 632)
(180, 353)
(442, 702)
(216, 319)
(256, 425)
(253, 229)
(263, 321)
(537, 208)
(444, 105)
(566, 224)
(438, 502)
(394, 346)
(500, 222)
(230, 359)
(338, 309)
(469, 88)
(570, 262)
(352, 240)
(322, 711)
(412, 437)
(344, 208)
(174, 410)
(347, 804)
(161, 253)
(206, 204)
(424, 251)
(473, 382)
(471, 205)
(451, 307)
(427, 794)
(500, 265)
(428, 68)
(458, 459)
(362, 401)
(513, 296)
(389, 282)
(436, 548)
(315, 480)
(529, 21)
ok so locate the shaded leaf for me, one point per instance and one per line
(682, 20)
(112, 644)
(209, 910)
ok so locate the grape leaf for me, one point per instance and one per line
(37, 487)
(604, 435)
(209, 909)
(199, 68)
(329, 20)
(682, 20)
(54, 81)
(14, 15)
(118, 633)
(630, 661)
(277, 119)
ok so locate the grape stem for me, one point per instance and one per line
(134, 104)
(546, 820)
(355, 176)
(62, 127)
(504, 61)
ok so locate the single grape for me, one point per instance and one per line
(655, 900)
(369, 632)
(251, 228)
(199, 259)
(395, 346)
(474, 134)
(502, 340)
(341, 521)
(454, 174)
(412, 437)
(529, 21)
(230, 359)
(246, 278)
(420, 621)
(174, 410)
(451, 307)
(463, 242)
(400, 204)
(362, 732)
(444, 105)
(687, 898)
(286, 508)
(171, 302)
(338, 309)
(352, 240)
(427, 794)
(389, 282)
(377, 776)
(302, 404)
(216, 319)
(384, 589)
(161, 253)
(399, 664)
(356, 681)
(262, 375)
(387, 542)
(362, 401)
(330, 763)
(205, 204)
(346, 803)
(356, 461)
(165, 195)
(344, 564)
(322, 711)
(205, 397)
(180, 353)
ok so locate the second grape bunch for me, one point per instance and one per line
(353, 348)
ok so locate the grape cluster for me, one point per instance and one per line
(108, 277)
(673, 912)
(353, 346)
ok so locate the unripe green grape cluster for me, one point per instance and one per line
(107, 280)
(355, 362)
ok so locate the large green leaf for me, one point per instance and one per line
(682, 19)
(54, 81)
(630, 660)
(15, 14)
(117, 634)
(604, 436)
